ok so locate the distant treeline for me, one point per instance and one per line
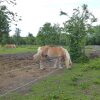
(94, 37)
(48, 34)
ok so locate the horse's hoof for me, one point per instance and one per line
(42, 68)
(60, 67)
(69, 68)
(54, 67)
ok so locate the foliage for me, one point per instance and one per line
(16, 36)
(7, 17)
(12, 16)
(4, 22)
(30, 39)
(77, 28)
(49, 34)
(5, 39)
(18, 40)
(95, 65)
(94, 39)
(97, 34)
(8, 1)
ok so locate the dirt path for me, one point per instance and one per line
(19, 69)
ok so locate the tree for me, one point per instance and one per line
(49, 34)
(94, 38)
(43, 36)
(96, 34)
(63, 39)
(30, 39)
(12, 16)
(77, 28)
(4, 23)
(7, 17)
(5, 39)
(8, 1)
(16, 36)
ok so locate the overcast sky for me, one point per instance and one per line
(35, 13)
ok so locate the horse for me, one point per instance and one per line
(10, 46)
(57, 52)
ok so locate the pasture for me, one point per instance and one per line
(18, 49)
(82, 82)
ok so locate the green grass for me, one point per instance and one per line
(82, 82)
(19, 49)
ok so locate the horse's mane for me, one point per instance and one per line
(52, 45)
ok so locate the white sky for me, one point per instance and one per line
(35, 13)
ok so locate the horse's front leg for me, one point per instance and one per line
(42, 63)
(55, 63)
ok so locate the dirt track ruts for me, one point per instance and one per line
(14, 79)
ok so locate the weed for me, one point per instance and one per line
(84, 85)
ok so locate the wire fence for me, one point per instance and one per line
(31, 81)
(17, 69)
(28, 83)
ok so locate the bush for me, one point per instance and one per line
(82, 59)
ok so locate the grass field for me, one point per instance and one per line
(82, 82)
(19, 49)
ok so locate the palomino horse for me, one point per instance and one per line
(57, 52)
(10, 46)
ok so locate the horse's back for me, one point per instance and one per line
(55, 51)
(52, 51)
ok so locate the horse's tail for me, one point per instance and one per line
(70, 62)
(68, 57)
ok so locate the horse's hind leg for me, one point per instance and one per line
(42, 63)
(55, 63)
(60, 63)
(67, 63)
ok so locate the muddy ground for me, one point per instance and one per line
(19, 69)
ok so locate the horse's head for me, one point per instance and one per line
(37, 56)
